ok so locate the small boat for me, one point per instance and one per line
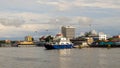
(61, 43)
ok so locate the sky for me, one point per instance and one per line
(19, 18)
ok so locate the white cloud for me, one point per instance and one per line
(34, 22)
(98, 4)
(21, 18)
(65, 5)
(75, 20)
(34, 17)
(36, 27)
(60, 5)
(109, 21)
(26, 29)
(27, 22)
(83, 20)
(17, 17)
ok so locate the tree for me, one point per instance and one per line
(87, 34)
(49, 38)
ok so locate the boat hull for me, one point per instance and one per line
(67, 46)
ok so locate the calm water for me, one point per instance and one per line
(38, 57)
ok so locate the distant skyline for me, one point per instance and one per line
(19, 18)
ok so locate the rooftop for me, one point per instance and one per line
(68, 26)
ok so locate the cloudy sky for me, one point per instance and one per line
(19, 18)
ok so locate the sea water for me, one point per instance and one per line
(39, 57)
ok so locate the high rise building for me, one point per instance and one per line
(68, 31)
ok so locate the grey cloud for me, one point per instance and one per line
(11, 22)
(71, 21)
(61, 21)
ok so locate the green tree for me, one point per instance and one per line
(49, 38)
(87, 34)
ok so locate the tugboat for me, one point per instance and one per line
(60, 43)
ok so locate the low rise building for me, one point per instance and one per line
(29, 38)
(117, 36)
(7, 41)
(102, 36)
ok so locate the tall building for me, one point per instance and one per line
(68, 31)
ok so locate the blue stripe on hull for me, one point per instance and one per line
(58, 46)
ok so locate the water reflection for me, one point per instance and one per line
(64, 58)
(65, 52)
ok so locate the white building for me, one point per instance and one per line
(102, 36)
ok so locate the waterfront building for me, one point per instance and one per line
(117, 36)
(8, 41)
(59, 35)
(102, 36)
(96, 36)
(28, 41)
(68, 31)
(89, 40)
(29, 38)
